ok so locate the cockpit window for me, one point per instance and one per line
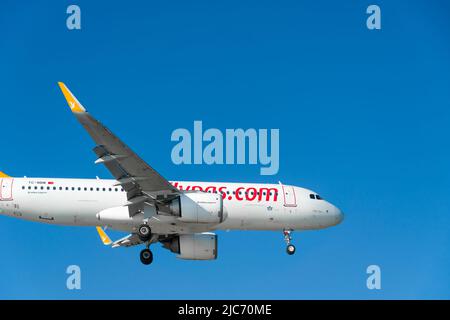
(318, 197)
(311, 196)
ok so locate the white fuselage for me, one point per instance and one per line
(246, 206)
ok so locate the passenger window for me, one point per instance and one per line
(60, 188)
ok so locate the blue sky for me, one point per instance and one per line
(363, 118)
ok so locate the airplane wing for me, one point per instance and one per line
(128, 241)
(141, 182)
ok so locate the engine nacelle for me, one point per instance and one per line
(198, 207)
(197, 246)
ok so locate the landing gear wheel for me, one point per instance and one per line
(290, 249)
(146, 256)
(144, 232)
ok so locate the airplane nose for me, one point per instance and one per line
(339, 215)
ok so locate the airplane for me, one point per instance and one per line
(181, 215)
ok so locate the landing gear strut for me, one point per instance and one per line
(146, 256)
(290, 249)
(144, 232)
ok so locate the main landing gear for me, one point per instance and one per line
(146, 256)
(144, 233)
(290, 249)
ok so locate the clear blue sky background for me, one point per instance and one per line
(363, 118)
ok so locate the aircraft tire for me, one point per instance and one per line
(146, 256)
(144, 232)
(290, 249)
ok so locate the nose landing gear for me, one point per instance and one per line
(290, 249)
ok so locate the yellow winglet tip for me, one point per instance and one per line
(4, 175)
(103, 236)
(72, 101)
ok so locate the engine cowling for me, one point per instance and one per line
(198, 207)
(197, 246)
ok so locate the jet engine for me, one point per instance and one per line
(197, 246)
(198, 207)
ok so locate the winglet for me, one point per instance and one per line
(73, 102)
(103, 236)
(4, 175)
